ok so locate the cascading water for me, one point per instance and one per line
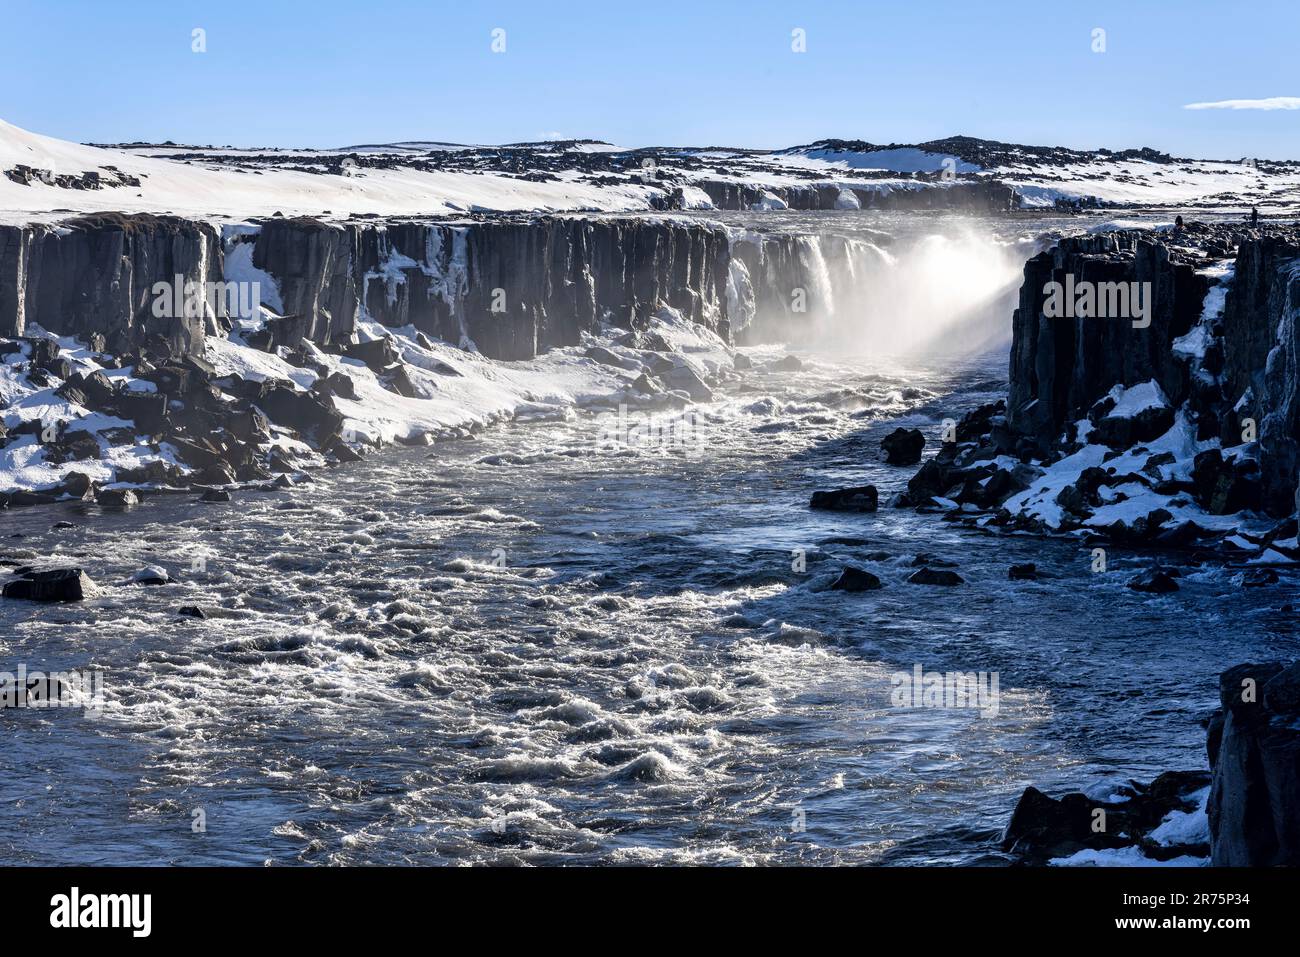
(943, 288)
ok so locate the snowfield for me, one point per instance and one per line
(433, 178)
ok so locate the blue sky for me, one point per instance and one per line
(703, 72)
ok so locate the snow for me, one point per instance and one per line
(207, 192)
(1123, 857)
(1194, 343)
(190, 181)
(461, 389)
(1185, 827)
(1136, 399)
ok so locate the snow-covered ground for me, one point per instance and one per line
(434, 178)
(459, 390)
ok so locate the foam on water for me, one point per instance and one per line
(525, 648)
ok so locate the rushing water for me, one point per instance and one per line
(530, 647)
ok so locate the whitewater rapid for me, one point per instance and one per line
(531, 646)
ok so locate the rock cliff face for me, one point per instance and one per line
(95, 274)
(1221, 371)
(982, 196)
(1254, 749)
(1061, 366)
(1262, 356)
(511, 287)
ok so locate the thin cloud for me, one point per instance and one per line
(1268, 103)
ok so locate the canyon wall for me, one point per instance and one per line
(513, 288)
(1237, 365)
(975, 196)
(510, 287)
(95, 275)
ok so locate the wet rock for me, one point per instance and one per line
(1153, 581)
(1043, 828)
(786, 364)
(77, 485)
(191, 611)
(1254, 806)
(923, 559)
(215, 495)
(741, 362)
(1259, 577)
(903, 446)
(855, 579)
(54, 585)
(862, 498)
(23, 499)
(935, 576)
(1025, 572)
(931, 480)
(152, 575)
(117, 498)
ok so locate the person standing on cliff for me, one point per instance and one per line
(1254, 215)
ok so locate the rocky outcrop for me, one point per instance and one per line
(1254, 749)
(511, 287)
(1262, 358)
(1234, 376)
(1044, 828)
(95, 275)
(969, 196)
(1061, 366)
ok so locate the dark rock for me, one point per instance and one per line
(1026, 572)
(336, 383)
(1254, 806)
(1153, 581)
(933, 576)
(215, 495)
(903, 446)
(1259, 577)
(1223, 486)
(855, 579)
(60, 584)
(378, 354)
(862, 498)
(117, 498)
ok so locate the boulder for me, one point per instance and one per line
(862, 498)
(1153, 581)
(935, 576)
(116, 498)
(54, 585)
(903, 446)
(1223, 486)
(856, 579)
